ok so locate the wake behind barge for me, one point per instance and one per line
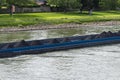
(55, 44)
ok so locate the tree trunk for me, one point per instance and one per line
(81, 9)
(90, 12)
(11, 13)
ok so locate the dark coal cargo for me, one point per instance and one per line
(55, 44)
(24, 43)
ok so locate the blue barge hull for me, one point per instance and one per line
(57, 44)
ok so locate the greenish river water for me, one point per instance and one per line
(93, 63)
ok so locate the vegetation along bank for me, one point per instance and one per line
(20, 20)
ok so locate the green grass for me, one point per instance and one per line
(56, 18)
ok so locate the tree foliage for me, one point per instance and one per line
(2, 2)
(109, 4)
(118, 3)
(64, 3)
(81, 4)
(20, 2)
(87, 4)
(10, 3)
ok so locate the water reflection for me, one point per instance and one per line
(44, 34)
(13, 36)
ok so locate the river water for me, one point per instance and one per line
(93, 63)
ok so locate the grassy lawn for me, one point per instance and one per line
(56, 18)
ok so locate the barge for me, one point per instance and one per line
(55, 44)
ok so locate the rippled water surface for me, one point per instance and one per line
(93, 63)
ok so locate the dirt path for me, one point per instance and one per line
(59, 26)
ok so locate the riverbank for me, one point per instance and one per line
(58, 26)
(54, 18)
